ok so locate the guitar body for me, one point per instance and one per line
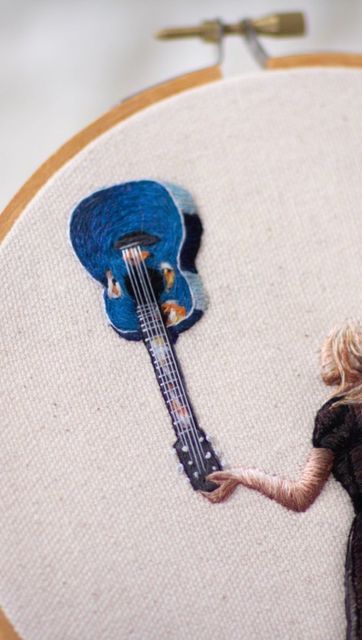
(163, 219)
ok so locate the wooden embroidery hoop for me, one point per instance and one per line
(122, 112)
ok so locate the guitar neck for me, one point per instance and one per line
(192, 447)
(167, 370)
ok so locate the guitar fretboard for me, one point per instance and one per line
(167, 371)
(195, 453)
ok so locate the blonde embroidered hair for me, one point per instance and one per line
(341, 360)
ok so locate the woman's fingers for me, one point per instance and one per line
(225, 489)
(221, 476)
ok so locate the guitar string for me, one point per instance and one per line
(137, 260)
(141, 271)
(140, 304)
(149, 327)
(179, 432)
(194, 434)
(140, 266)
(181, 385)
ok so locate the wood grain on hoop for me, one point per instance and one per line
(121, 112)
(7, 631)
(326, 59)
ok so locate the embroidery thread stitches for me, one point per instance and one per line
(140, 240)
(337, 448)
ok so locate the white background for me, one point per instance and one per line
(64, 63)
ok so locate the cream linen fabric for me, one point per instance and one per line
(90, 547)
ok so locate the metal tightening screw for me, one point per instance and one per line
(276, 25)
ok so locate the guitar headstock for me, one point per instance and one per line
(198, 459)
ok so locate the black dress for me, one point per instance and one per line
(339, 428)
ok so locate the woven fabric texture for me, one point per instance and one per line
(89, 546)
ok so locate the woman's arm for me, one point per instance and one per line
(296, 495)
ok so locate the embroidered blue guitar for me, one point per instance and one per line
(140, 240)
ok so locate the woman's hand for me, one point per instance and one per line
(296, 495)
(237, 476)
(225, 489)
